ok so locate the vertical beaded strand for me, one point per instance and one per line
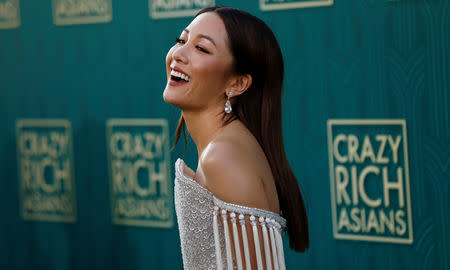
(279, 241)
(270, 223)
(216, 238)
(237, 247)
(262, 221)
(245, 242)
(227, 240)
(256, 240)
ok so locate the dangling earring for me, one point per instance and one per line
(228, 108)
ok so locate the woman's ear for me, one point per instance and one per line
(239, 84)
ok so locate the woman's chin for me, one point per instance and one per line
(171, 97)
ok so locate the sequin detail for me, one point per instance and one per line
(194, 207)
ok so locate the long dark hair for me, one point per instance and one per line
(256, 52)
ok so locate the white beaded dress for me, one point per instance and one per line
(210, 229)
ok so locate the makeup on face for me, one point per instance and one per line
(197, 64)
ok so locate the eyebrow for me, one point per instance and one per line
(204, 36)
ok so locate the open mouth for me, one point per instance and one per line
(178, 76)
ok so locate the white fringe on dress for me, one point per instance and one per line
(237, 248)
(267, 254)
(274, 246)
(256, 240)
(216, 239)
(280, 250)
(227, 240)
(245, 241)
(266, 224)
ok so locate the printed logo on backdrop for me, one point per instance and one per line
(369, 179)
(46, 173)
(177, 8)
(139, 162)
(68, 12)
(9, 14)
(291, 4)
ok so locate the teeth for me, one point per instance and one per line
(180, 75)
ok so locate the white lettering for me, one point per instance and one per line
(71, 8)
(181, 4)
(372, 222)
(401, 228)
(125, 177)
(147, 146)
(367, 150)
(394, 147)
(341, 184)
(393, 185)
(362, 190)
(343, 220)
(132, 208)
(53, 144)
(380, 159)
(387, 222)
(353, 148)
(339, 138)
(47, 174)
(376, 221)
(358, 154)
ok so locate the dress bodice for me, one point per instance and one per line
(205, 241)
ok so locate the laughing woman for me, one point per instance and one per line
(225, 73)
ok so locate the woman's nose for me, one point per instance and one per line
(179, 54)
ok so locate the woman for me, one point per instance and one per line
(225, 73)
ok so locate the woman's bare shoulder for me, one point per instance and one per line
(233, 172)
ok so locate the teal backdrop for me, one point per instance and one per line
(354, 59)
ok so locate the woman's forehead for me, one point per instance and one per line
(209, 24)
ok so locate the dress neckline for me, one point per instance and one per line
(179, 167)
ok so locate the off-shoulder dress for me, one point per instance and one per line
(218, 235)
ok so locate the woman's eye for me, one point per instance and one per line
(201, 49)
(180, 40)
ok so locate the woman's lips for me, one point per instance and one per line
(177, 76)
(176, 83)
(178, 69)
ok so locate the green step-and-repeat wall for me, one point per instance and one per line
(86, 170)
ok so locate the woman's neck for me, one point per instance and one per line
(203, 127)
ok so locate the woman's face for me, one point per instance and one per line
(199, 65)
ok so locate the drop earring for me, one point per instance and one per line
(228, 108)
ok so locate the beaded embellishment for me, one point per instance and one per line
(211, 228)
